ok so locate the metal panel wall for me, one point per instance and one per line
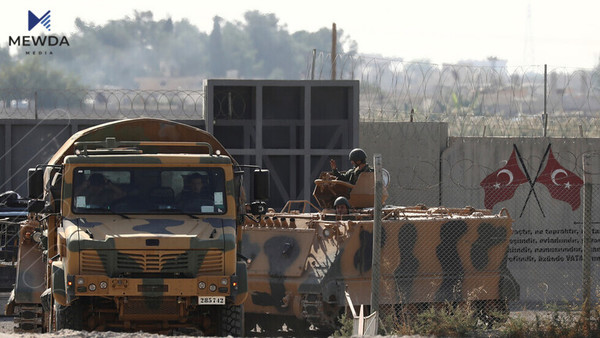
(290, 127)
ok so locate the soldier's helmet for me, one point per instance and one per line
(341, 200)
(358, 154)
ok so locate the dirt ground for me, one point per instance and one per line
(7, 325)
(6, 330)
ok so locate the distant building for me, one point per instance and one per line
(492, 62)
(170, 83)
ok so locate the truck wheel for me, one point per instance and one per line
(232, 320)
(69, 317)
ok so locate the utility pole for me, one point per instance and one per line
(376, 258)
(333, 51)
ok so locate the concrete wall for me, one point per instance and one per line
(545, 252)
(411, 154)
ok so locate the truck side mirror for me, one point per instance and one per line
(261, 185)
(35, 183)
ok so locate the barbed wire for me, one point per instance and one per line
(476, 100)
(101, 103)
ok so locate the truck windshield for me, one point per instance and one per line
(149, 190)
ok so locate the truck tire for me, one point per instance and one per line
(69, 317)
(231, 321)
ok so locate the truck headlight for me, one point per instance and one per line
(201, 285)
(37, 237)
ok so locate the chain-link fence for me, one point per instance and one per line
(481, 99)
(590, 235)
(443, 258)
(538, 248)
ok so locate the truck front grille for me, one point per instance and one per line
(92, 262)
(162, 261)
(212, 263)
(155, 263)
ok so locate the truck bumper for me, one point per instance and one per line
(103, 286)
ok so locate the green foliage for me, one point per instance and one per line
(32, 73)
(459, 320)
(121, 51)
(447, 320)
(216, 49)
(558, 322)
(54, 88)
(345, 329)
(5, 59)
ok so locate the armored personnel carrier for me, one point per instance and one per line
(303, 258)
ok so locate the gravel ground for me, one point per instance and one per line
(7, 325)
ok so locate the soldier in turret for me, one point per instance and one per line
(358, 158)
(342, 206)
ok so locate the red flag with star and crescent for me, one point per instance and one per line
(501, 184)
(562, 184)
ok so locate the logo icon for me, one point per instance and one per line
(44, 20)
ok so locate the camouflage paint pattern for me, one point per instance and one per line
(427, 256)
(140, 129)
(359, 195)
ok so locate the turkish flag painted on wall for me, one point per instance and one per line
(501, 184)
(562, 184)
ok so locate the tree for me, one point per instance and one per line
(215, 44)
(118, 52)
(273, 44)
(5, 58)
(54, 88)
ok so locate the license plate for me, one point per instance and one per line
(216, 300)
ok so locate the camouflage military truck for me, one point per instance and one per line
(302, 262)
(133, 225)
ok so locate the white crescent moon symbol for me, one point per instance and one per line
(507, 172)
(556, 172)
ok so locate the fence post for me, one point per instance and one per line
(376, 259)
(35, 104)
(333, 51)
(545, 114)
(591, 165)
(312, 66)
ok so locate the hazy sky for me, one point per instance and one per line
(524, 32)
